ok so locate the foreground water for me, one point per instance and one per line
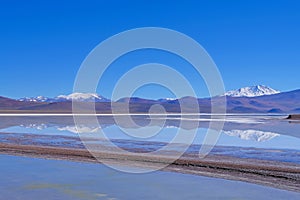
(264, 137)
(32, 178)
(269, 137)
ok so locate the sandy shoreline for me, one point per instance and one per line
(294, 117)
(269, 173)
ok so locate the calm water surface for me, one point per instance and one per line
(256, 136)
(31, 178)
(268, 137)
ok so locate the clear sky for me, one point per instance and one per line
(42, 43)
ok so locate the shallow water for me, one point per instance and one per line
(269, 137)
(32, 178)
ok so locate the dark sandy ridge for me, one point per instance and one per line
(269, 173)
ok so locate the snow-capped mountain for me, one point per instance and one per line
(166, 100)
(84, 97)
(254, 135)
(252, 91)
(37, 99)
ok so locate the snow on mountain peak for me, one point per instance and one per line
(85, 97)
(88, 97)
(36, 99)
(252, 91)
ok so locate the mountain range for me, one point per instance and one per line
(253, 91)
(85, 97)
(255, 99)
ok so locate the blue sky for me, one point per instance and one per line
(42, 44)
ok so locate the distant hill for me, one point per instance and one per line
(12, 104)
